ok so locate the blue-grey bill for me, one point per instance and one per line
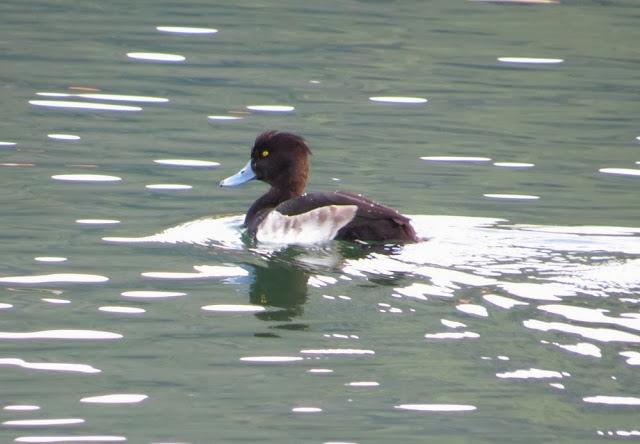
(244, 175)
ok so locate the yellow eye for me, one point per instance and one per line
(265, 153)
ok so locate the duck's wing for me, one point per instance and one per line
(320, 224)
(372, 221)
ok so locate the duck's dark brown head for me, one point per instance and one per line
(281, 160)
(278, 158)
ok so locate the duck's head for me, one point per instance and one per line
(278, 158)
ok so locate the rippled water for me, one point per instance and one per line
(133, 309)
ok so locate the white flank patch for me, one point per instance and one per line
(398, 99)
(7, 144)
(271, 108)
(83, 105)
(86, 178)
(186, 30)
(156, 57)
(319, 225)
(436, 407)
(529, 60)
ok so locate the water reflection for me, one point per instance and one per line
(50, 366)
(216, 117)
(186, 30)
(83, 105)
(511, 196)
(22, 407)
(86, 178)
(156, 57)
(109, 97)
(620, 171)
(399, 100)
(42, 422)
(118, 398)
(61, 334)
(187, 163)
(63, 136)
(530, 60)
(281, 283)
(71, 438)
(55, 278)
(168, 187)
(271, 108)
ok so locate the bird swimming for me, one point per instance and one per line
(286, 214)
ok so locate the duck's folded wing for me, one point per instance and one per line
(367, 208)
(372, 220)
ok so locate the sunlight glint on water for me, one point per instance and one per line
(135, 308)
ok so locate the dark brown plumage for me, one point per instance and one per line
(282, 160)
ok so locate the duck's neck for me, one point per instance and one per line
(269, 200)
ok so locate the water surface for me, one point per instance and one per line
(134, 310)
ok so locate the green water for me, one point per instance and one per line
(455, 339)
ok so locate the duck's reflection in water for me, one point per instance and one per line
(282, 281)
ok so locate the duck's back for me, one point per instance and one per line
(371, 222)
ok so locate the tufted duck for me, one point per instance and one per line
(285, 214)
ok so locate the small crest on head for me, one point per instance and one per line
(265, 142)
